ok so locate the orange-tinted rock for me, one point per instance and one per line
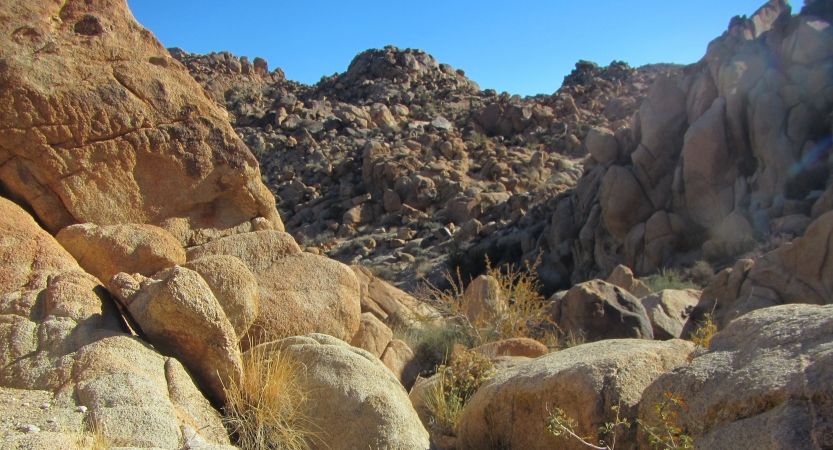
(529, 348)
(101, 125)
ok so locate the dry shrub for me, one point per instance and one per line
(266, 409)
(702, 273)
(459, 381)
(526, 313)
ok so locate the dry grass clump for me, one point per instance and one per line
(458, 382)
(92, 437)
(266, 409)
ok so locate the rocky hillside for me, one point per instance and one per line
(402, 160)
(151, 296)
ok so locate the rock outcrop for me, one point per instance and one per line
(730, 150)
(94, 109)
(669, 311)
(62, 333)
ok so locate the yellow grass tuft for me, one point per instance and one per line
(93, 437)
(266, 409)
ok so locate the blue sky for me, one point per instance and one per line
(522, 47)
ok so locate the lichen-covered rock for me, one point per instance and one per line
(764, 382)
(101, 125)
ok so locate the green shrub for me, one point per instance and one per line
(668, 279)
(458, 382)
(433, 343)
(383, 272)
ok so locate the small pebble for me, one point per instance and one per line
(30, 429)
(24, 404)
(45, 406)
(81, 409)
(52, 420)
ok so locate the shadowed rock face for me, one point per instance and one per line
(94, 111)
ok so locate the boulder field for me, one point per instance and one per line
(145, 267)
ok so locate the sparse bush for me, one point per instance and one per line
(458, 382)
(664, 435)
(430, 225)
(479, 138)
(265, 410)
(559, 424)
(702, 273)
(702, 336)
(384, 272)
(467, 263)
(526, 313)
(668, 279)
(433, 343)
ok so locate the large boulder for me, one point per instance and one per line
(306, 293)
(797, 272)
(669, 311)
(177, 312)
(61, 332)
(483, 299)
(107, 250)
(106, 127)
(373, 335)
(352, 396)
(258, 250)
(622, 276)
(766, 381)
(233, 285)
(510, 410)
(598, 310)
(399, 358)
